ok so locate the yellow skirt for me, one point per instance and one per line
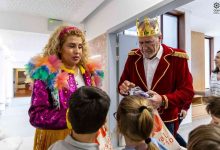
(44, 138)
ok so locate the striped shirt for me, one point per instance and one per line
(214, 85)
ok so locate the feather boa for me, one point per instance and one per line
(97, 73)
(48, 69)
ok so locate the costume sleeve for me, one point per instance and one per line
(182, 96)
(125, 73)
(42, 113)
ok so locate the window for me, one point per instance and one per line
(170, 30)
(208, 60)
(133, 30)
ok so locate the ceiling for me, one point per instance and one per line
(68, 10)
(203, 18)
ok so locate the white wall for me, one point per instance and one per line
(2, 80)
(115, 12)
(22, 45)
(112, 88)
(188, 35)
(188, 118)
(8, 82)
(16, 47)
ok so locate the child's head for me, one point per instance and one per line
(88, 108)
(204, 137)
(213, 108)
(135, 118)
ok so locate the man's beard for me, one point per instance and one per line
(148, 56)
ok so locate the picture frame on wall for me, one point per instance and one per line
(21, 88)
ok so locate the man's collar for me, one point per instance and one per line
(160, 52)
(158, 55)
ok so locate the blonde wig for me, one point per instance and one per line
(58, 38)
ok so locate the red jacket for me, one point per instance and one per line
(172, 79)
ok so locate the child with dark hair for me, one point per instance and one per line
(88, 108)
(213, 108)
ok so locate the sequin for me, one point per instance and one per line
(42, 114)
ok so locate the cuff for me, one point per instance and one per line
(165, 99)
(186, 109)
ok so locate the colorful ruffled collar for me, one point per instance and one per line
(49, 69)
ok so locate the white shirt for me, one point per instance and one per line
(70, 144)
(150, 66)
(79, 79)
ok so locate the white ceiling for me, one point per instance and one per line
(68, 10)
(202, 17)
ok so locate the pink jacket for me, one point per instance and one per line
(42, 112)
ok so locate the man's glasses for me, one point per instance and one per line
(115, 115)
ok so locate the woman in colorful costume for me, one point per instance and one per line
(56, 74)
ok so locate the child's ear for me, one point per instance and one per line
(69, 126)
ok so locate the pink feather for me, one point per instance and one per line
(61, 80)
(98, 81)
(93, 65)
(54, 63)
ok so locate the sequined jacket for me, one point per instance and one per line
(42, 112)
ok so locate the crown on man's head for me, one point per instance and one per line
(149, 27)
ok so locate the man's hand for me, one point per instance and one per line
(183, 114)
(155, 100)
(125, 87)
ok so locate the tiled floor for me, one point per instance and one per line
(15, 125)
(186, 128)
(14, 121)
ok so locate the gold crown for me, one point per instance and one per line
(150, 27)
